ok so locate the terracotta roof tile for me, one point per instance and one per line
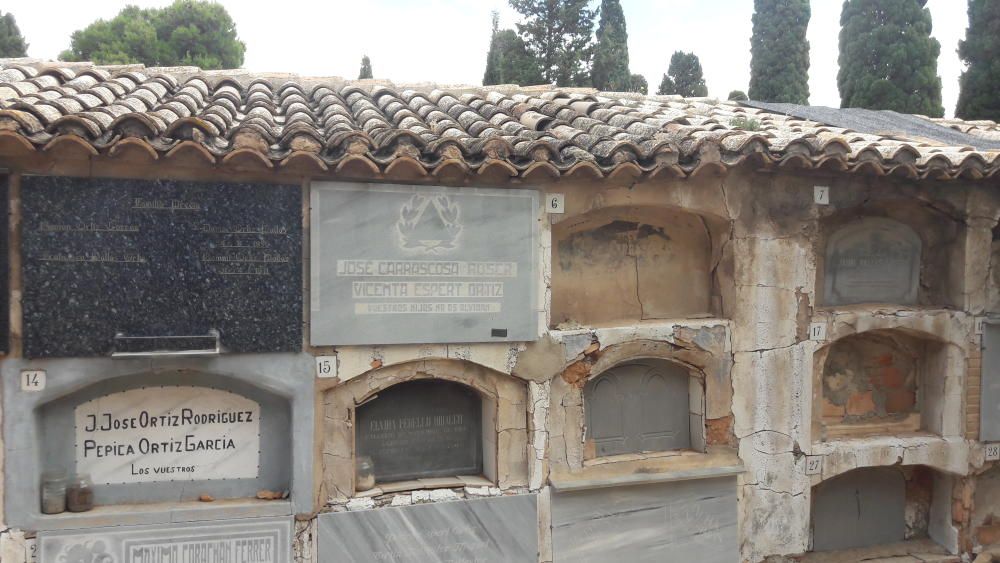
(277, 115)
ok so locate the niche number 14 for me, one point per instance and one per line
(32, 380)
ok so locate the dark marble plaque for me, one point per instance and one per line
(159, 258)
(422, 429)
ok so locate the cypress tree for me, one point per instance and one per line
(684, 76)
(610, 71)
(557, 33)
(366, 68)
(779, 63)
(11, 41)
(508, 61)
(980, 83)
(888, 59)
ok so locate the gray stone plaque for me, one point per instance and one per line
(989, 409)
(873, 260)
(422, 429)
(678, 521)
(858, 509)
(396, 264)
(496, 530)
(253, 540)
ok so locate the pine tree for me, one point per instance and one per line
(508, 61)
(779, 63)
(610, 71)
(684, 77)
(980, 83)
(557, 33)
(11, 42)
(366, 68)
(187, 32)
(637, 83)
(888, 59)
(738, 96)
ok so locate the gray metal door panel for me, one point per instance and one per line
(859, 509)
(638, 407)
(989, 409)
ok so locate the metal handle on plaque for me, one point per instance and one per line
(121, 338)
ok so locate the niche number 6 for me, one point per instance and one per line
(556, 203)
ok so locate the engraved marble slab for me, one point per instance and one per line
(395, 264)
(873, 260)
(496, 530)
(678, 521)
(168, 433)
(251, 540)
(159, 259)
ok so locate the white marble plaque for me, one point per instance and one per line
(873, 260)
(396, 264)
(251, 540)
(169, 433)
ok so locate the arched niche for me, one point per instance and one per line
(642, 406)
(623, 264)
(875, 506)
(986, 509)
(173, 436)
(872, 260)
(898, 251)
(403, 391)
(886, 381)
(422, 429)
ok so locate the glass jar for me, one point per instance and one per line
(80, 494)
(53, 493)
(365, 470)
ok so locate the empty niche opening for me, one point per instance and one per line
(167, 437)
(872, 506)
(632, 263)
(881, 382)
(427, 429)
(643, 407)
(986, 509)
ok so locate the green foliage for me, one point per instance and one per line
(684, 77)
(980, 94)
(509, 61)
(779, 63)
(187, 32)
(738, 96)
(888, 59)
(745, 123)
(11, 42)
(610, 71)
(557, 33)
(637, 83)
(366, 68)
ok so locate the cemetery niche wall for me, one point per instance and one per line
(134, 266)
(623, 264)
(394, 264)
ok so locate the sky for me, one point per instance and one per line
(445, 41)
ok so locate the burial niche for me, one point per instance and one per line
(872, 506)
(986, 508)
(169, 437)
(424, 428)
(642, 406)
(627, 264)
(881, 382)
(872, 260)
